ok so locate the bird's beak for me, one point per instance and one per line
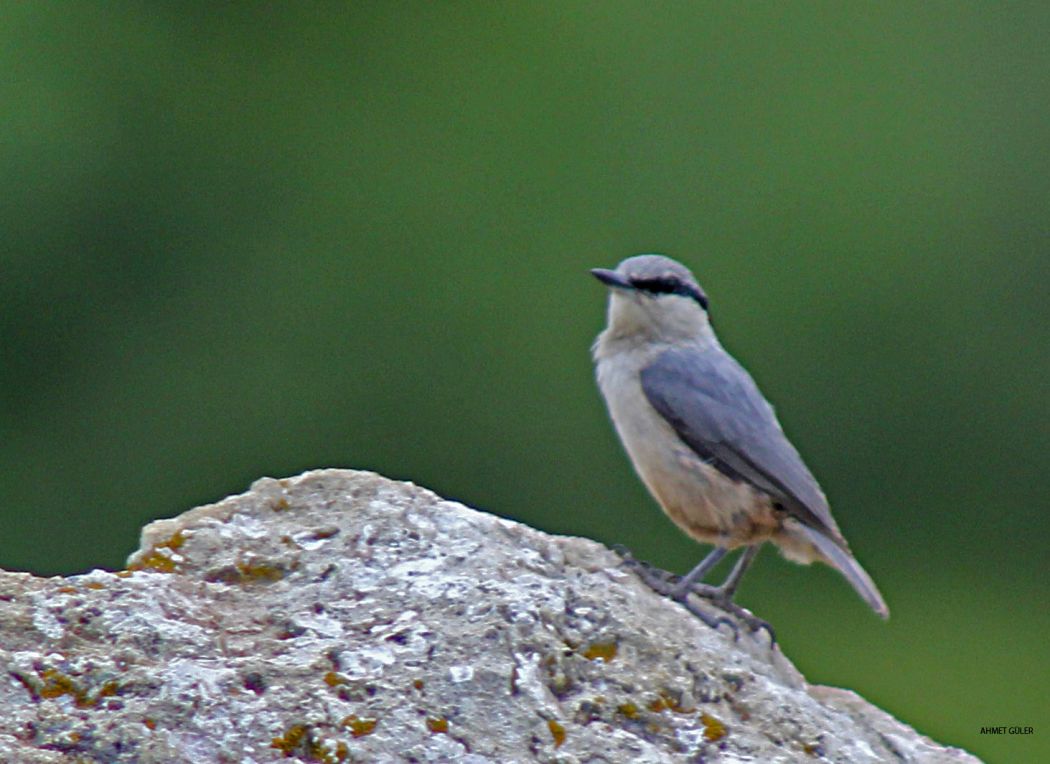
(611, 278)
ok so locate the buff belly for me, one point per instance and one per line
(705, 503)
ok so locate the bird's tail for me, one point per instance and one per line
(844, 562)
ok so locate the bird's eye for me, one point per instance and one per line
(671, 285)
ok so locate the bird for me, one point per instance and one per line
(701, 436)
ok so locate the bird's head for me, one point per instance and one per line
(655, 298)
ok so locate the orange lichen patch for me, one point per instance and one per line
(437, 724)
(333, 679)
(281, 504)
(557, 732)
(668, 702)
(158, 560)
(302, 742)
(604, 650)
(154, 561)
(258, 572)
(124, 573)
(291, 740)
(55, 684)
(67, 590)
(150, 724)
(714, 730)
(95, 585)
(418, 684)
(630, 710)
(359, 727)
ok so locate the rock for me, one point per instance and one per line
(340, 616)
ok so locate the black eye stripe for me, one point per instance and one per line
(670, 286)
(658, 286)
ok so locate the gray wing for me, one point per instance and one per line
(717, 410)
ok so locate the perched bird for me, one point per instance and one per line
(701, 436)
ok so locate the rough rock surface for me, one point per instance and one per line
(340, 616)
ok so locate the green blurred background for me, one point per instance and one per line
(245, 240)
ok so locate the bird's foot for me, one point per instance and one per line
(659, 580)
(723, 600)
(668, 585)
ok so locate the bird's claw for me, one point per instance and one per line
(657, 579)
(668, 584)
(720, 600)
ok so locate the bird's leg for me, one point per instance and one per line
(723, 595)
(667, 584)
(685, 585)
(679, 589)
(659, 580)
(732, 581)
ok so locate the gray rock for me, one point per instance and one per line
(340, 616)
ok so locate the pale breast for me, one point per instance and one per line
(702, 501)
